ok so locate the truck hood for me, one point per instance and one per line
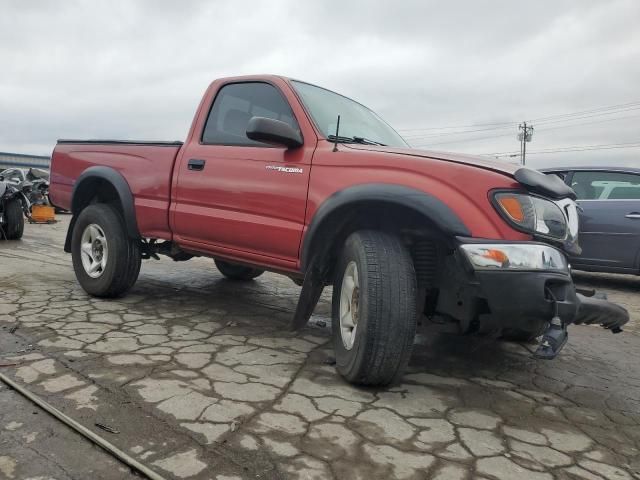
(532, 180)
(480, 162)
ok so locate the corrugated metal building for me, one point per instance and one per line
(8, 160)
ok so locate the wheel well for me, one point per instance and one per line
(96, 190)
(426, 242)
(103, 185)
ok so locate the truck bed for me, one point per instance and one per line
(146, 166)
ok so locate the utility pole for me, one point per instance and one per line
(526, 132)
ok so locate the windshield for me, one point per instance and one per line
(356, 121)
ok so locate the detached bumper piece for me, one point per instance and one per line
(594, 310)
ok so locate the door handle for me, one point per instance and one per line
(196, 164)
(633, 215)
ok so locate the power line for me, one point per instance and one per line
(464, 140)
(610, 107)
(556, 127)
(585, 149)
(588, 123)
(581, 117)
(456, 126)
(606, 110)
(446, 134)
(577, 146)
(572, 148)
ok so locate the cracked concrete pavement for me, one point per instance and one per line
(201, 379)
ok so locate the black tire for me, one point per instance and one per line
(233, 271)
(123, 260)
(386, 309)
(14, 220)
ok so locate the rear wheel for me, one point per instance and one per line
(233, 271)
(373, 308)
(14, 220)
(105, 259)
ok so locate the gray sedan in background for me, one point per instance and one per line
(609, 199)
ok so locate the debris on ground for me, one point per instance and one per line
(107, 428)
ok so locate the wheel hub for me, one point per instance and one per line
(355, 298)
(97, 250)
(94, 250)
(349, 305)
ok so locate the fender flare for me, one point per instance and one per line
(82, 188)
(442, 216)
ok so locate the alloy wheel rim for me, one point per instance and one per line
(94, 250)
(349, 305)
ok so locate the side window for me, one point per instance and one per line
(236, 104)
(606, 185)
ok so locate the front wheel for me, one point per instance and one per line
(105, 259)
(233, 271)
(13, 220)
(373, 308)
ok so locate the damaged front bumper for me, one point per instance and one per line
(595, 309)
(527, 286)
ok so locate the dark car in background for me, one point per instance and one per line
(609, 200)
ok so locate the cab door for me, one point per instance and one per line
(240, 198)
(609, 219)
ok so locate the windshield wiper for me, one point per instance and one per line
(354, 139)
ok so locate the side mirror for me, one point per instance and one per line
(268, 130)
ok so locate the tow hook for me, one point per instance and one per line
(554, 338)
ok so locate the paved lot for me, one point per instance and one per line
(201, 380)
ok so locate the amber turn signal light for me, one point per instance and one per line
(497, 256)
(512, 207)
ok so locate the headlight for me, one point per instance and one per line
(532, 214)
(513, 256)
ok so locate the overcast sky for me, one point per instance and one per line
(137, 69)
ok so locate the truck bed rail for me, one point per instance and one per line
(122, 142)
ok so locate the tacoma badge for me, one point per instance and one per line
(284, 169)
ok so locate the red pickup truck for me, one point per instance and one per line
(281, 175)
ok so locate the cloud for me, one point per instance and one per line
(121, 69)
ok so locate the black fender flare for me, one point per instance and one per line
(82, 191)
(442, 216)
(312, 260)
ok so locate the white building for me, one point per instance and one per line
(9, 160)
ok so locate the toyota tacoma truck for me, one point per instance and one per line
(281, 175)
